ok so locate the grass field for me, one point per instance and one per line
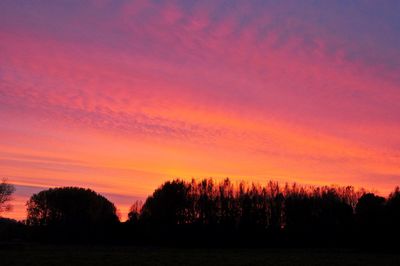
(103, 255)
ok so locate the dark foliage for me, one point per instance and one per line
(71, 213)
(12, 230)
(6, 191)
(393, 212)
(222, 213)
(169, 205)
(371, 216)
(208, 213)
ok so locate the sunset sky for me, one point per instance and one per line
(119, 96)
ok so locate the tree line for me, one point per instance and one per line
(207, 212)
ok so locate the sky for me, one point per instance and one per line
(120, 96)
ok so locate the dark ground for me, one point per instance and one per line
(111, 255)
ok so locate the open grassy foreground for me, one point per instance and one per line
(106, 255)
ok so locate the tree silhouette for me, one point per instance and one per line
(205, 206)
(298, 210)
(70, 205)
(253, 207)
(211, 213)
(370, 213)
(393, 212)
(224, 209)
(134, 212)
(6, 191)
(72, 213)
(169, 204)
